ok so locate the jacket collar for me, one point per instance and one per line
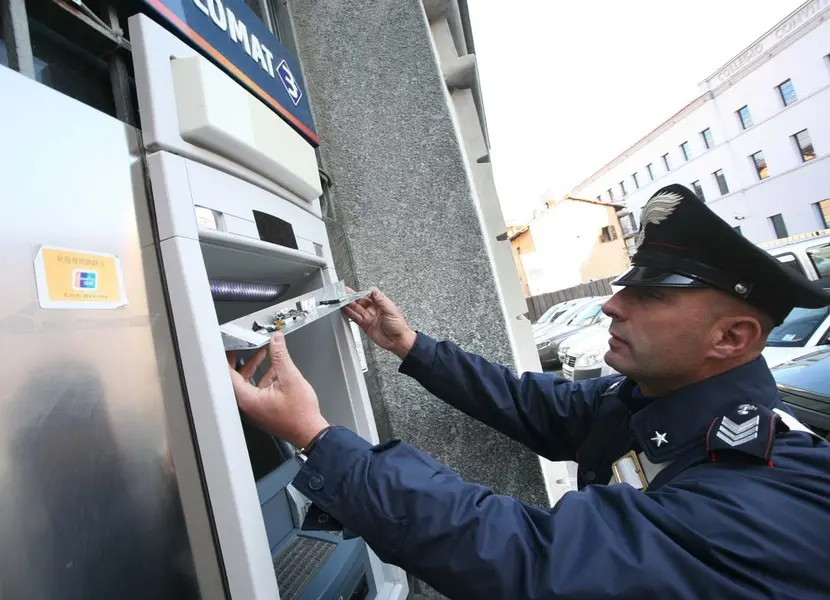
(670, 425)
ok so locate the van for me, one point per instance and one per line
(806, 253)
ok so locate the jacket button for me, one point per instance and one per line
(590, 476)
(315, 482)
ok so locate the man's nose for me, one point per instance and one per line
(613, 307)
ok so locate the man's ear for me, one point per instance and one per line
(736, 335)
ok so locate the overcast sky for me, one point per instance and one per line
(569, 84)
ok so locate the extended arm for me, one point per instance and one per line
(547, 413)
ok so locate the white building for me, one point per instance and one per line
(755, 144)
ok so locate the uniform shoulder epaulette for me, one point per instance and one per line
(746, 432)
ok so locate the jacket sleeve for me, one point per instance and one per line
(467, 542)
(549, 414)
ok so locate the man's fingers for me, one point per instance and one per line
(357, 312)
(249, 368)
(352, 314)
(246, 394)
(382, 302)
(281, 363)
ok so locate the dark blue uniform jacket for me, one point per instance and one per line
(722, 521)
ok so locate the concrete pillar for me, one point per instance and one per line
(407, 218)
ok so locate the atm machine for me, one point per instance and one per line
(235, 192)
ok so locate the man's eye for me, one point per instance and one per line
(651, 294)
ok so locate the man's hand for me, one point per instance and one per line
(283, 403)
(382, 322)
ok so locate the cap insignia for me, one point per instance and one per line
(657, 210)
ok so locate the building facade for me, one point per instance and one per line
(755, 144)
(575, 241)
(521, 242)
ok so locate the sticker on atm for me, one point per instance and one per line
(79, 279)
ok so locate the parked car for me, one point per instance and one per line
(804, 385)
(590, 340)
(802, 332)
(548, 341)
(558, 312)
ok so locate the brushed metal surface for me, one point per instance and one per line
(89, 505)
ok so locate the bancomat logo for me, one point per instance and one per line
(291, 86)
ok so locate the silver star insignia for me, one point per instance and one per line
(659, 439)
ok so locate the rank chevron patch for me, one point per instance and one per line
(736, 434)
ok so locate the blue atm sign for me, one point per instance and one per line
(232, 36)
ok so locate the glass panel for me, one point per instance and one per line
(698, 190)
(787, 92)
(805, 145)
(798, 327)
(820, 257)
(666, 162)
(789, 260)
(721, 179)
(760, 165)
(687, 153)
(779, 226)
(4, 56)
(67, 68)
(823, 208)
(707, 138)
(650, 170)
(745, 117)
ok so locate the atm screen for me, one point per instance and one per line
(264, 451)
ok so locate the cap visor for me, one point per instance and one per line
(652, 277)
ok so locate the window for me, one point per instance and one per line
(804, 145)
(4, 56)
(823, 210)
(721, 179)
(608, 234)
(738, 229)
(760, 164)
(623, 190)
(820, 257)
(790, 261)
(667, 162)
(599, 198)
(636, 179)
(787, 91)
(650, 169)
(779, 226)
(698, 190)
(744, 117)
(686, 151)
(708, 141)
(610, 194)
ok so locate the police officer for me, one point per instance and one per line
(696, 481)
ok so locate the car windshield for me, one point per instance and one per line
(586, 314)
(810, 373)
(552, 313)
(798, 327)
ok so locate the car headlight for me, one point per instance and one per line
(589, 360)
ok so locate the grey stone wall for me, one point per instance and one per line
(404, 218)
